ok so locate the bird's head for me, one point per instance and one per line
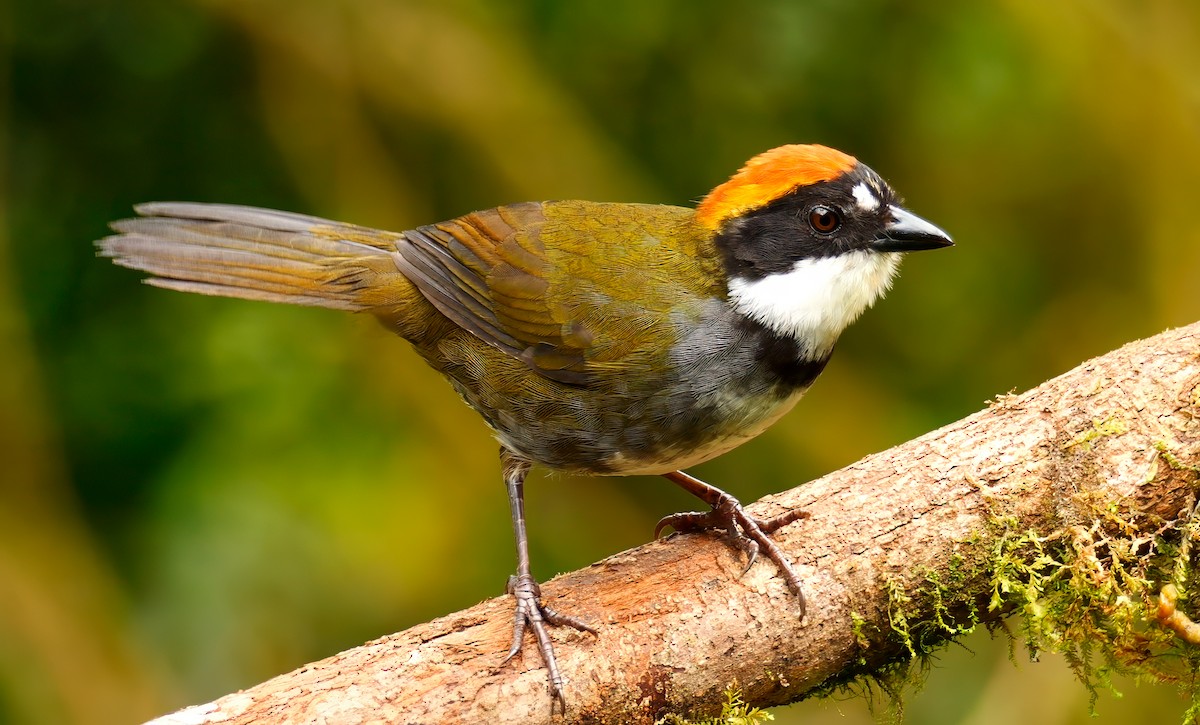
(810, 238)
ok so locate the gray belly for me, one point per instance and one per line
(730, 424)
(725, 381)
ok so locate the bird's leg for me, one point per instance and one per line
(531, 612)
(749, 533)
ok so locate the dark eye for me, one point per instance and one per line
(824, 220)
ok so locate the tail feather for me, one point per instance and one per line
(259, 254)
(252, 216)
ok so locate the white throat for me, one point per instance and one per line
(815, 300)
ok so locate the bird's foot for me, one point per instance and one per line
(533, 614)
(750, 534)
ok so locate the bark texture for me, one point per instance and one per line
(677, 624)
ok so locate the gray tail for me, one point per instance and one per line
(259, 254)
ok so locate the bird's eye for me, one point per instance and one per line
(824, 220)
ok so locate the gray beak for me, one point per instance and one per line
(907, 232)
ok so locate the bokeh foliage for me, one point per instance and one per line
(196, 494)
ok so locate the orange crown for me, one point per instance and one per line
(768, 176)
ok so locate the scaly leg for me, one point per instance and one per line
(531, 612)
(751, 535)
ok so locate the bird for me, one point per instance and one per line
(592, 337)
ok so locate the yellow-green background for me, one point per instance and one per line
(197, 494)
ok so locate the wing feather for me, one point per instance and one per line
(599, 297)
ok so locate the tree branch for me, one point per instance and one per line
(1081, 486)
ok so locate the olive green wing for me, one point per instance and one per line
(569, 288)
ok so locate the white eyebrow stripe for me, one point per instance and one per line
(867, 200)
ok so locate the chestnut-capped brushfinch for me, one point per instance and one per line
(596, 338)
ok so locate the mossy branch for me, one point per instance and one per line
(1070, 505)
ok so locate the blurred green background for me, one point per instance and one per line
(197, 494)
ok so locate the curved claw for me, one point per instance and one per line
(686, 521)
(752, 530)
(531, 613)
(751, 548)
(560, 620)
(775, 523)
(750, 534)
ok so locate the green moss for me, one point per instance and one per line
(1112, 425)
(885, 686)
(1088, 592)
(858, 627)
(898, 601)
(954, 613)
(1090, 595)
(734, 711)
(1172, 460)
